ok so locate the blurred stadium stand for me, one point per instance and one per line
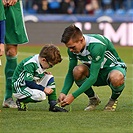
(89, 7)
(44, 25)
(51, 10)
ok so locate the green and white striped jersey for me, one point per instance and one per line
(100, 53)
(28, 70)
(30, 74)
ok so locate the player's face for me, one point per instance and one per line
(75, 46)
(46, 64)
(49, 64)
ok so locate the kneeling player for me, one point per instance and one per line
(31, 82)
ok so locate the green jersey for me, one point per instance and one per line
(28, 70)
(30, 74)
(2, 12)
(100, 53)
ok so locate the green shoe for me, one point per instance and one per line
(21, 106)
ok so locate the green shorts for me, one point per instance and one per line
(103, 75)
(15, 27)
(2, 13)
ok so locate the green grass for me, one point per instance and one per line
(39, 120)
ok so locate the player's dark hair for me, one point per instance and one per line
(51, 53)
(71, 32)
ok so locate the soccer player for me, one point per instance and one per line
(2, 28)
(101, 65)
(31, 82)
(15, 35)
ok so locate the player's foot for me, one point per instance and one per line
(9, 103)
(111, 105)
(94, 101)
(21, 106)
(57, 108)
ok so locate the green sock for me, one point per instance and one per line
(11, 63)
(116, 91)
(52, 96)
(89, 92)
(28, 100)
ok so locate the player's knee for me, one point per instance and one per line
(40, 96)
(116, 78)
(11, 51)
(80, 72)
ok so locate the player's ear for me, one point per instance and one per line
(44, 59)
(81, 39)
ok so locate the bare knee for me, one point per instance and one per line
(80, 72)
(116, 78)
(11, 50)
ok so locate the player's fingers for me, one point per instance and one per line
(12, 2)
(59, 100)
(4, 2)
(51, 91)
(64, 103)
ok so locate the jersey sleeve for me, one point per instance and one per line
(29, 77)
(97, 54)
(69, 76)
(29, 72)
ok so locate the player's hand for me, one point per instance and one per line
(62, 96)
(1, 49)
(68, 100)
(49, 73)
(48, 90)
(9, 2)
(4, 2)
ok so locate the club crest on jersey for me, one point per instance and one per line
(98, 58)
(29, 75)
(89, 57)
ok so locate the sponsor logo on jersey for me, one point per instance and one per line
(29, 75)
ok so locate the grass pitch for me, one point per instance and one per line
(39, 120)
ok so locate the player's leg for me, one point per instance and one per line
(11, 63)
(27, 95)
(80, 73)
(48, 81)
(116, 79)
(18, 35)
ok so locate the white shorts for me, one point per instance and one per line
(34, 94)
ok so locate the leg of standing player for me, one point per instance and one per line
(18, 35)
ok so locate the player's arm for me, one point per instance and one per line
(2, 32)
(97, 53)
(69, 79)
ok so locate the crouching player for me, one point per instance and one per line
(31, 82)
